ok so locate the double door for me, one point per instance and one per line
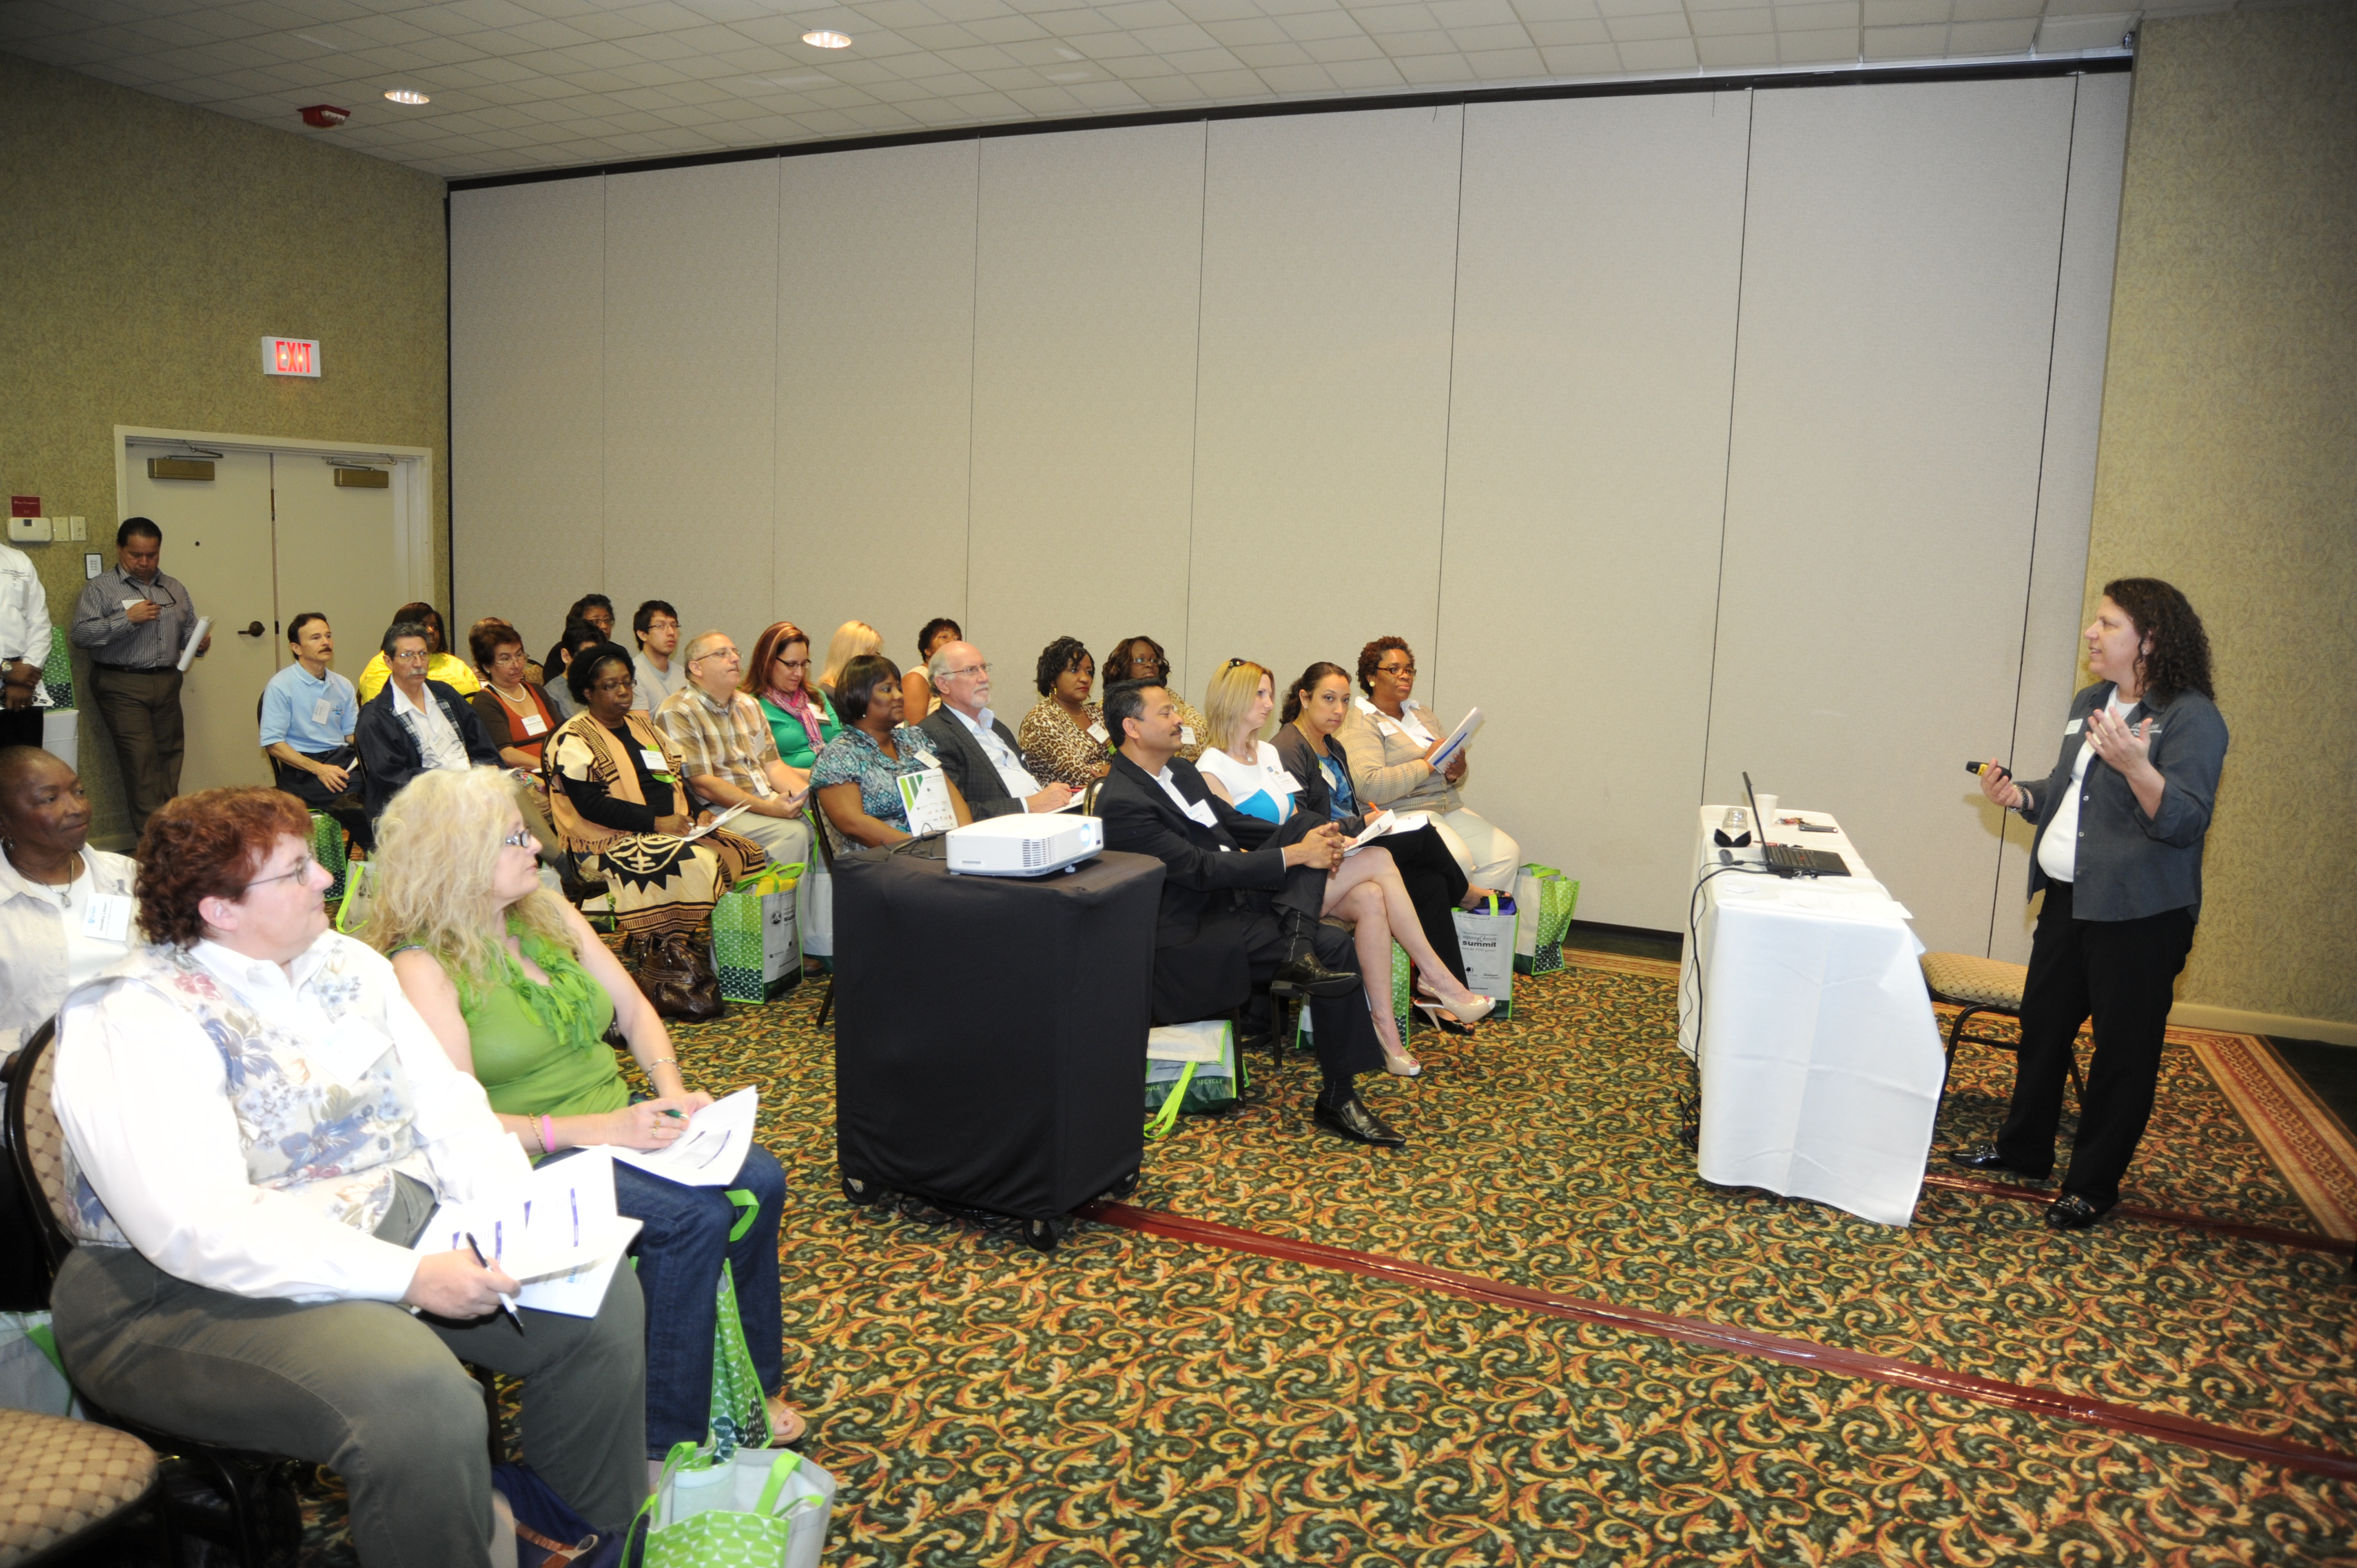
(268, 537)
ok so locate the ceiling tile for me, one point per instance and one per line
(1331, 53)
(1260, 56)
(1582, 60)
(1659, 54)
(1435, 71)
(1738, 51)
(1365, 75)
(1905, 12)
(1824, 47)
(1906, 43)
(1591, 30)
(1733, 24)
(1647, 28)
(1996, 10)
(2062, 35)
(1297, 79)
(1992, 38)
(1816, 15)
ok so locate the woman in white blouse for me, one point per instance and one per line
(65, 909)
(1243, 769)
(1390, 746)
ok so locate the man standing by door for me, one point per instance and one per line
(24, 648)
(133, 621)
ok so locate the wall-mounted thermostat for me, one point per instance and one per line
(29, 530)
(290, 357)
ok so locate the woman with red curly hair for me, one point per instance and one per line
(2121, 822)
(258, 1125)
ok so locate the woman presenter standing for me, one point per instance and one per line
(2118, 852)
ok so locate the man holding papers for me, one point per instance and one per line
(258, 1125)
(139, 627)
(1399, 758)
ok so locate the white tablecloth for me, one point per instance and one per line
(1821, 1060)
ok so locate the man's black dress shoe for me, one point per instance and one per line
(1987, 1158)
(1356, 1122)
(2071, 1212)
(1306, 976)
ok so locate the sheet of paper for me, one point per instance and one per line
(1467, 728)
(559, 1234)
(711, 1150)
(196, 641)
(926, 797)
(1186, 1042)
(1383, 824)
(719, 821)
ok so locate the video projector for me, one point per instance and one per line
(1024, 844)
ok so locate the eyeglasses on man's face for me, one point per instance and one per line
(970, 671)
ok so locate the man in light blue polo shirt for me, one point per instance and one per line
(308, 714)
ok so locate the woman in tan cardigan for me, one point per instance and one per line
(1388, 741)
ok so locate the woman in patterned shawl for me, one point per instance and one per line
(614, 790)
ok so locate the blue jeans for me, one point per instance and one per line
(678, 1252)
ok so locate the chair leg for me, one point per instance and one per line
(826, 1003)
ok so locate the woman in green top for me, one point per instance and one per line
(778, 673)
(521, 993)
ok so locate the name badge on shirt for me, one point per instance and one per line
(107, 918)
(533, 724)
(1097, 733)
(352, 1047)
(1200, 811)
(2074, 726)
(1385, 726)
(654, 759)
(1285, 784)
(323, 710)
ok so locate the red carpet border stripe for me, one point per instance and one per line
(2304, 1139)
(2157, 1424)
(2275, 1233)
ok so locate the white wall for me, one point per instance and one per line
(1685, 432)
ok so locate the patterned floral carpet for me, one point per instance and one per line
(1132, 1400)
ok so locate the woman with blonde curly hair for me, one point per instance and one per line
(851, 640)
(520, 993)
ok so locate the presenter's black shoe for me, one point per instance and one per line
(1987, 1158)
(2071, 1212)
(1353, 1121)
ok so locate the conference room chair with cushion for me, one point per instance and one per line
(262, 1517)
(70, 1483)
(1977, 985)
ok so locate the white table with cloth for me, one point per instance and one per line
(1820, 1058)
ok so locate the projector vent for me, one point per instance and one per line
(1034, 852)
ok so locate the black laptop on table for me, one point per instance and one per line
(1791, 860)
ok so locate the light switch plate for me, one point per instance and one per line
(28, 530)
(77, 528)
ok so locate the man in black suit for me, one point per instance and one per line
(978, 751)
(1240, 902)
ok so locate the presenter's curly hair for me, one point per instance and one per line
(1064, 653)
(860, 678)
(2179, 659)
(1307, 681)
(1372, 655)
(208, 846)
(437, 852)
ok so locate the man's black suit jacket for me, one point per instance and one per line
(389, 759)
(968, 766)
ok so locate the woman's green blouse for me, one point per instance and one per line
(539, 1050)
(794, 747)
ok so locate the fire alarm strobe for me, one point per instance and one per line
(324, 116)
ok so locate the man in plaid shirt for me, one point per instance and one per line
(730, 759)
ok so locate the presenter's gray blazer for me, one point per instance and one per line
(2129, 864)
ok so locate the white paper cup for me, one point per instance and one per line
(1767, 809)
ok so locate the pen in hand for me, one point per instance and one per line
(506, 1304)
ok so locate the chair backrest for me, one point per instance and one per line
(823, 831)
(37, 1142)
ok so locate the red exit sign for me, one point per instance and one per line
(290, 357)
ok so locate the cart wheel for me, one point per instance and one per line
(1040, 1235)
(1122, 1188)
(858, 1193)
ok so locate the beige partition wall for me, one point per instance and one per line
(1587, 470)
(875, 390)
(1083, 393)
(692, 362)
(1901, 253)
(527, 402)
(1329, 248)
(1684, 433)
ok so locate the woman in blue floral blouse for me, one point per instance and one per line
(857, 779)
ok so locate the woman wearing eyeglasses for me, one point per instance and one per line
(1390, 744)
(1142, 658)
(521, 993)
(615, 790)
(778, 673)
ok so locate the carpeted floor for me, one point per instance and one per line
(1134, 1400)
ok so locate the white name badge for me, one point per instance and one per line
(1200, 811)
(323, 710)
(1097, 734)
(1287, 784)
(533, 724)
(352, 1047)
(1186, 734)
(926, 797)
(2074, 726)
(1385, 726)
(107, 918)
(654, 759)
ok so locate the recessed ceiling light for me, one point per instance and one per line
(1069, 54)
(822, 39)
(408, 95)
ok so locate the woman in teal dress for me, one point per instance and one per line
(779, 674)
(521, 994)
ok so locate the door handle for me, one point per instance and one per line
(252, 629)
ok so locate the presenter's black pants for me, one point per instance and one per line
(2123, 973)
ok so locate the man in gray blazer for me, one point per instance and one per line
(978, 751)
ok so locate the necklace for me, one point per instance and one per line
(64, 893)
(521, 702)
